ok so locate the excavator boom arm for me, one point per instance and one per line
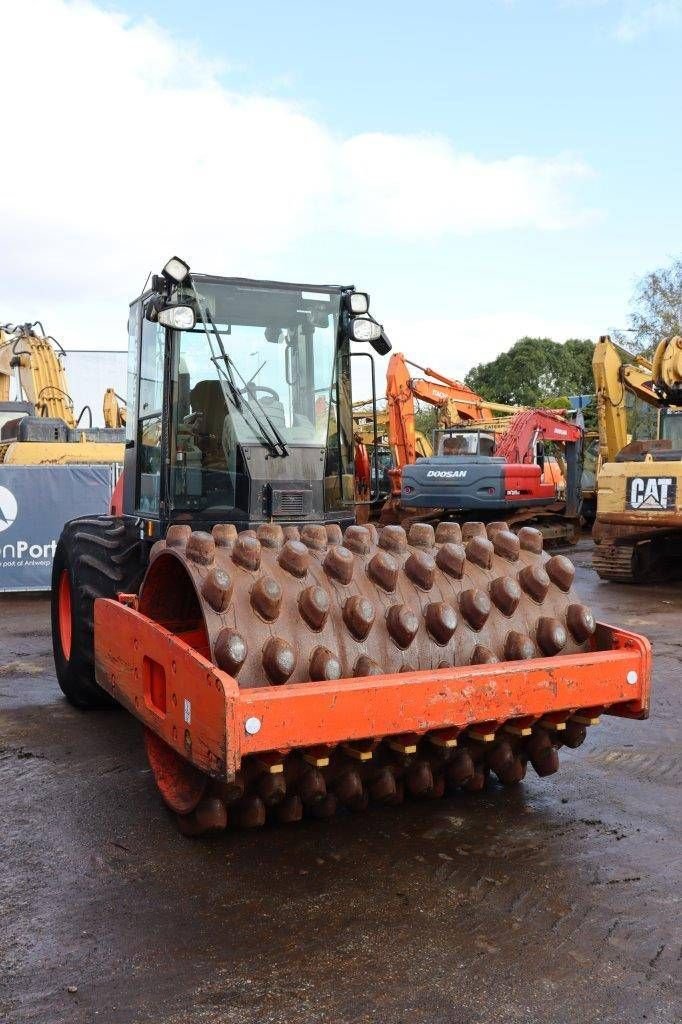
(455, 401)
(667, 370)
(34, 363)
(658, 383)
(401, 411)
(516, 445)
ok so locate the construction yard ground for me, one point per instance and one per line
(558, 901)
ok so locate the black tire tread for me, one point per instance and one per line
(108, 541)
(102, 561)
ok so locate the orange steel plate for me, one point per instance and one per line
(188, 708)
(201, 711)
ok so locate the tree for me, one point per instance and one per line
(656, 309)
(656, 313)
(534, 371)
(425, 419)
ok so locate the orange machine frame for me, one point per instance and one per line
(203, 714)
(456, 400)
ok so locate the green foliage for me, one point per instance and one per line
(557, 403)
(642, 419)
(426, 419)
(656, 310)
(656, 314)
(535, 371)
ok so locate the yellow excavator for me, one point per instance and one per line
(638, 526)
(363, 425)
(113, 410)
(39, 425)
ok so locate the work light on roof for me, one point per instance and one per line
(358, 302)
(176, 270)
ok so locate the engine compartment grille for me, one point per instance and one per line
(292, 504)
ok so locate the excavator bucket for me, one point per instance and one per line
(282, 672)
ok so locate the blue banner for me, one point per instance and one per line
(35, 502)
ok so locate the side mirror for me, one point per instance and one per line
(381, 345)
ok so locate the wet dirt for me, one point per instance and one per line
(559, 900)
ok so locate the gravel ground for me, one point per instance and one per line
(559, 901)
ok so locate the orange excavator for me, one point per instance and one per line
(483, 463)
(456, 403)
(282, 659)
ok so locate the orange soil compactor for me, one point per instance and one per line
(283, 660)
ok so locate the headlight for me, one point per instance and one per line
(362, 329)
(358, 302)
(176, 270)
(181, 318)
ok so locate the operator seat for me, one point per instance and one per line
(207, 398)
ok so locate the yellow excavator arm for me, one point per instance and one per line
(34, 363)
(667, 371)
(607, 368)
(363, 425)
(113, 410)
(657, 382)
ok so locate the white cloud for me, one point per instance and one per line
(453, 346)
(121, 144)
(415, 186)
(643, 17)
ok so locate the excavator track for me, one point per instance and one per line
(614, 562)
(274, 606)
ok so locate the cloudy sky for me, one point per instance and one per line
(484, 169)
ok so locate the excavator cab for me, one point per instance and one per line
(11, 414)
(240, 400)
(671, 428)
(463, 441)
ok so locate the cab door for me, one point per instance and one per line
(145, 428)
(150, 418)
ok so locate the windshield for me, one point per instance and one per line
(671, 428)
(267, 355)
(463, 442)
(260, 368)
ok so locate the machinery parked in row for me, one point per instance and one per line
(484, 464)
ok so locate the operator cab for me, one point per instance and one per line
(242, 398)
(671, 428)
(467, 442)
(11, 415)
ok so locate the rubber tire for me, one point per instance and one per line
(103, 557)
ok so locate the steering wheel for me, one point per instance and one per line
(251, 388)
